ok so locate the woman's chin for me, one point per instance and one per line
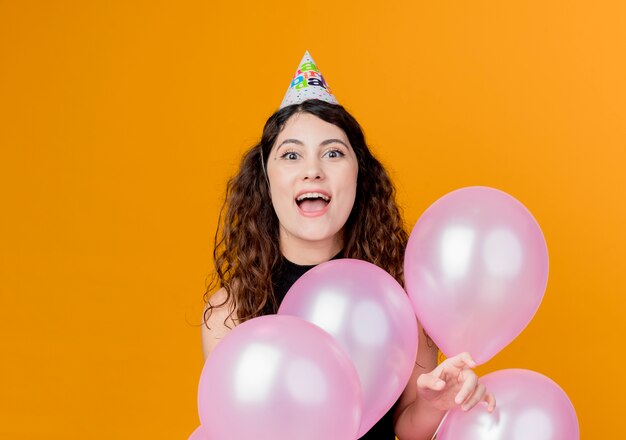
(315, 237)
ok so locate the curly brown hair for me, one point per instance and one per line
(246, 241)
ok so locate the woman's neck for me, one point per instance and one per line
(306, 253)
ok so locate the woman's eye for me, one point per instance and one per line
(332, 154)
(290, 155)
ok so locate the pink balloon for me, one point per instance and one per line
(369, 314)
(198, 434)
(476, 269)
(279, 377)
(529, 406)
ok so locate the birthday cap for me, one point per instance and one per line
(307, 83)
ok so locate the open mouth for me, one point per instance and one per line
(312, 202)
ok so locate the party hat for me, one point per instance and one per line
(307, 83)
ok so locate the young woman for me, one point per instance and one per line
(311, 191)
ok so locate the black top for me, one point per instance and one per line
(283, 278)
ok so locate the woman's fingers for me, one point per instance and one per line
(469, 361)
(490, 399)
(474, 398)
(455, 375)
(467, 388)
(480, 395)
(462, 360)
(431, 382)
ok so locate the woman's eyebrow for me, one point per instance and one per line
(290, 141)
(332, 141)
(322, 144)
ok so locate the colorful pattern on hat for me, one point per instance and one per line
(307, 83)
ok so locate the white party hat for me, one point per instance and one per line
(307, 83)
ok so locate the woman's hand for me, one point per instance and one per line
(453, 383)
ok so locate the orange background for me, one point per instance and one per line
(120, 122)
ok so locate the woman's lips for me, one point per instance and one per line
(313, 208)
(313, 202)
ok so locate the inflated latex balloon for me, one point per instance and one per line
(279, 377)
(529, 407)
(476, 269)
(198, 434)
(370, 315)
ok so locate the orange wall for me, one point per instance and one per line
(121, 120)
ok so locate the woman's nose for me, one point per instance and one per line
(313, 170)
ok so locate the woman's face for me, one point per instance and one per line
(312, 170)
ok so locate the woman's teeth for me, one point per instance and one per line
(313, 195)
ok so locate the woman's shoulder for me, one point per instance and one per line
(219, 298)
(218, 320)
(221, 301)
